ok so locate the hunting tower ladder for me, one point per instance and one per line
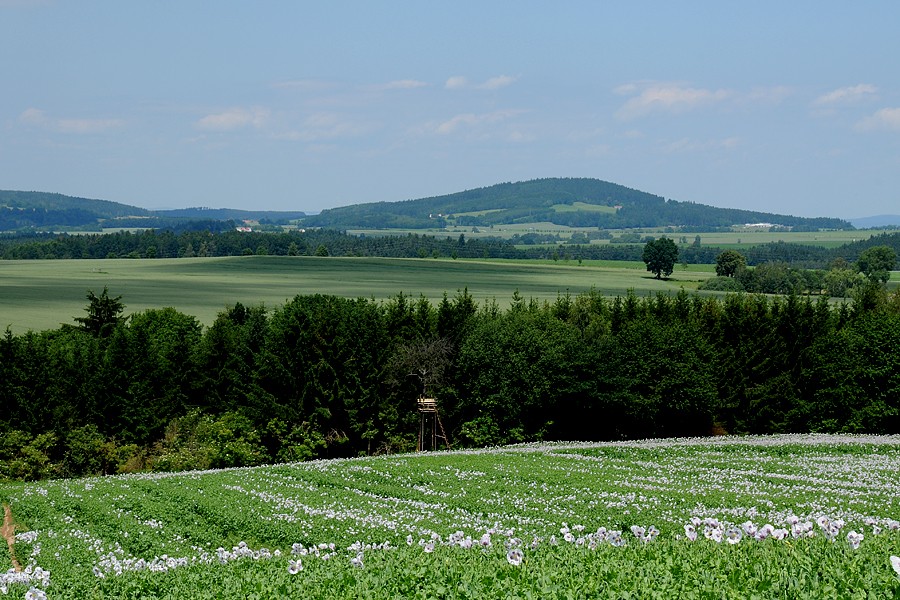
(428, 415)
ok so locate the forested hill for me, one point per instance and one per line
(42, 210)
(578, 202)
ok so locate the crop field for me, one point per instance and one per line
(768, 517)
(40, 295)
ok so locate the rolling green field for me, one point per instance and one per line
(798, 516)
(39, 295)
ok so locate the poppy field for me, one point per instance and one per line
(808, 516)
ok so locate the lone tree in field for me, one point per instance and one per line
(728, 262)
(661, 256)
(876, 263)
(104, 313)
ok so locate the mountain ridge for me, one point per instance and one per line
(577, 202)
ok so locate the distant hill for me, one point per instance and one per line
(46, 211)
(231, 214)
(20, 210)
(876, 221)
(577, 202)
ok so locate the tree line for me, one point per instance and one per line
(323, 376)
(219, 238)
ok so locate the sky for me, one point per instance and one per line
(785, 107)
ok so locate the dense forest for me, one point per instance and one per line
(219, 238)
(324, 376)
(535, 201)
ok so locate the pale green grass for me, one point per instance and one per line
(582, 207)
(38, 295)
(477, 213)
(738, 238)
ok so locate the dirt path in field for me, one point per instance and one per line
(9, 533)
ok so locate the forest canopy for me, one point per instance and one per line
(323, 376)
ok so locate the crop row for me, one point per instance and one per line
(785, 516)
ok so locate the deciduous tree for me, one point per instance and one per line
(660, 255)
(728, 262)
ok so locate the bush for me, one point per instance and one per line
(722, 284)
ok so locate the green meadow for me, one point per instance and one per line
(39, 295)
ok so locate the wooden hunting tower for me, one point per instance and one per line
(429, 423)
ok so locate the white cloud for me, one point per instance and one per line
(33, 116)
(886, 119)
(666, 98)
(846, 95)
(37, 117)
(233, 118)
(455, 83)
(495, 83)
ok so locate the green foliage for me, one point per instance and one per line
(728, 262)
(104, 313)
(660, 255)
(25, 457)
(323, 376)
(876, 263)
(199, 441)
(839, 282)
(722, 284)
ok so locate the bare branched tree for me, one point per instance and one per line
(427, 360)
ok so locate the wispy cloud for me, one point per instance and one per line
(692, 145)
(494, 83)
(666, 98)
(326, 126)
(233, 118)
(469, 120)
(456, 82)
(402, 84)
(886, 119)
(846, 95)
(767, 95)
(22, 3)
(37, 117)
(305, 85)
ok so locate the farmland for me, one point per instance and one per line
(763, 517)
(737, 238)
(40, 295)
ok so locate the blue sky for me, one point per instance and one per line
(787, 107)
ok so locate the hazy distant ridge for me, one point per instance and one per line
(876, 221)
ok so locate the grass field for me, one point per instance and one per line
(41, 295)
(770, 517)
